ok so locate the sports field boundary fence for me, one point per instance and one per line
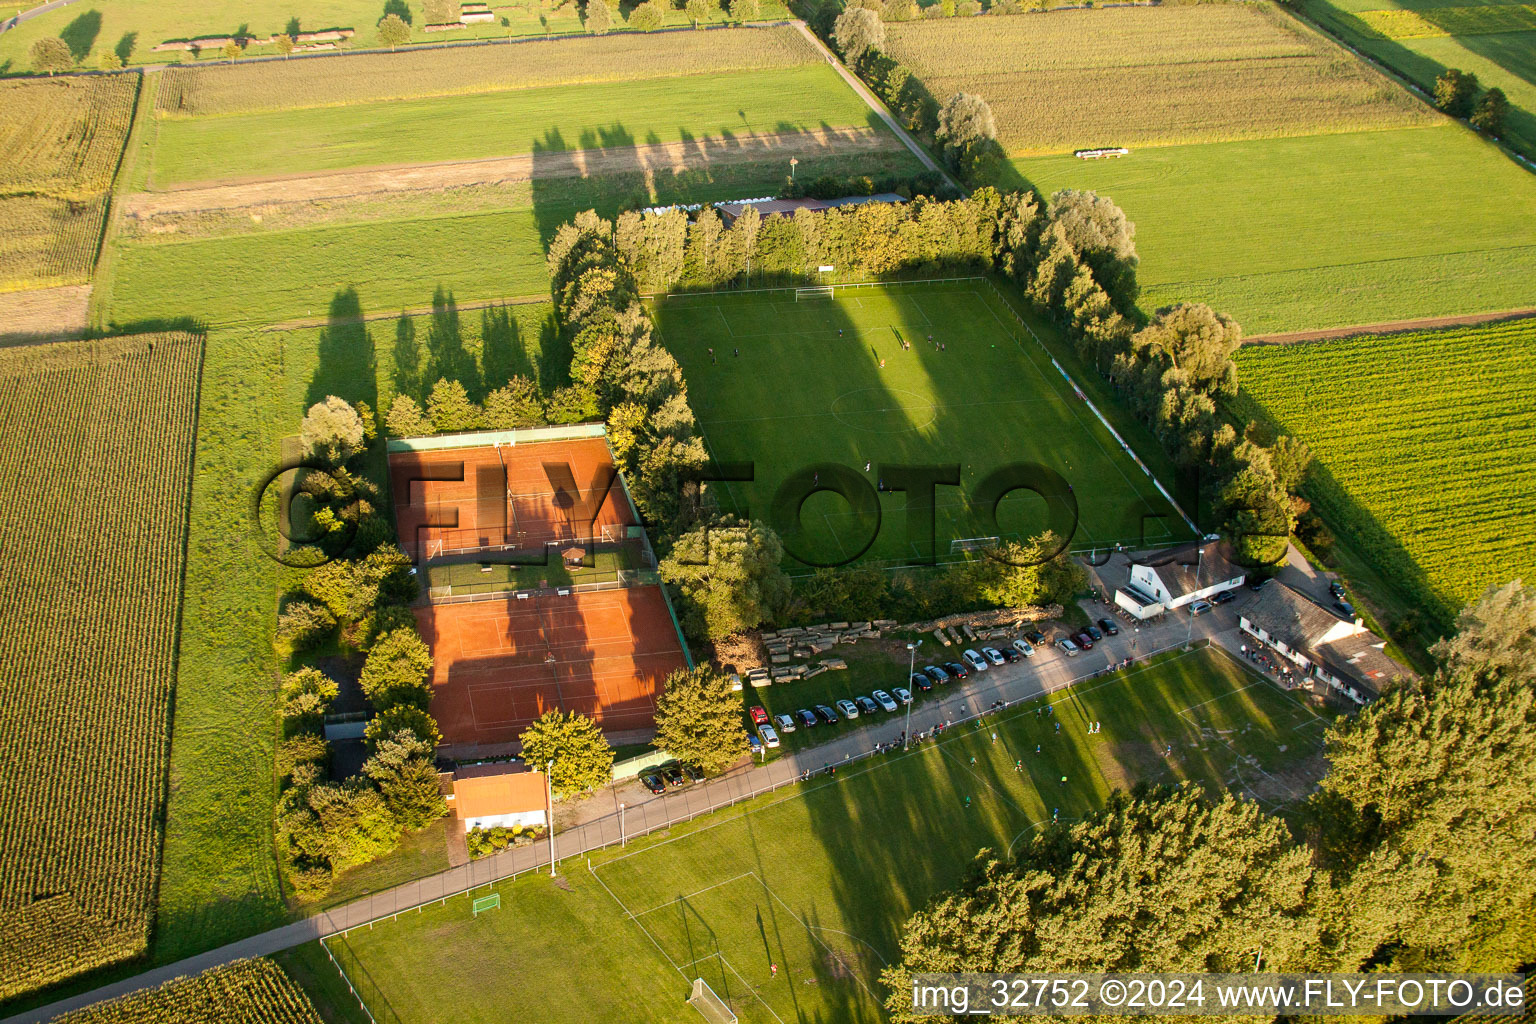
(726, 791)
(836, 286)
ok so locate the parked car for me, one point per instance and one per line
(975, 660)
(784, 723)
(1109, 627)
(1200, 607)
(1067, 647)
(673, 773)
(935, 673)
(694, 772)
(1258, 583)
(735, 678)
(826, 714)
(754, 744)
(921, 682)
(1336, 589)
(1035, 637)
(884, 700)
(1223, 596)
(866, 705)
(1009, 654)
(770, 738)
(1095, 632)
(1025, 648)
(1345, 608)
(902, 694)
(807, 717)
(653, 782)
(993, 655)
(957, 670)
(848, 709)
(759, 716)
(1083, 640)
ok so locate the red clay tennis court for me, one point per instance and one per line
(523, 495)
(500, 664)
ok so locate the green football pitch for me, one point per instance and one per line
(818, 878)
(881, 377)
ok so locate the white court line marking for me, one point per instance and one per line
(697, 892)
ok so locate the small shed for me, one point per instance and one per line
(504, 794)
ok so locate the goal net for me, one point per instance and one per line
(823, 291)
(710, 1006)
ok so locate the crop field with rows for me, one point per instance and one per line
(48, 241)
(96, 446)
(248, 88)
(1451, 21)
(244, 992)
(1148, 76)
(64, 137)
(1426, 449)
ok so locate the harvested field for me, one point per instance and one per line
(44, 313)
(670, 158)
(96, 462)
(46, 241)
(63, 137)
(268, 86)
(500, 664)
(1151, 76)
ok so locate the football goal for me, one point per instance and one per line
(710, 1006)
(965, 544)
(820, 291)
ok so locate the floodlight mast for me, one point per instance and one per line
(906, 734)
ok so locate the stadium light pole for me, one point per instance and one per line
(549, 797)
(906, 734)
(1199, 555)
(623, 839)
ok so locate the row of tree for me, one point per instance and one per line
(1457, 94)
(517, 403)
(357, 597)
(1414, 855)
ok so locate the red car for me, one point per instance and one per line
(759, 716)
(1083, 640)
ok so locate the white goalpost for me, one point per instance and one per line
(965, 544)
(819, 291)
(710, 1006)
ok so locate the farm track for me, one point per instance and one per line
(1427, 323)
(665, 157)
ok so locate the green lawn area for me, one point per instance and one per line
(1503, 59)
(819, 878)
(807, 388)
(1426, 451)
(1323, 231)
(132, 27)
(542, 120)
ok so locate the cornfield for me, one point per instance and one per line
(95, 463)
(48, 241)
(281, 85)
(63, 137)
(1150, 76)
(244, 992)
(1426, 445)
(62, 141)
(1451, 21)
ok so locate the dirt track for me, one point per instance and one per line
(675, 156)
(43, 314)
(1390, 327)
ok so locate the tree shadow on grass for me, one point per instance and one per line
(80, 35)
(125, 45)
(345, 365)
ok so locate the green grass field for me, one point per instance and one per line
(543, 120)
(1426, 450)
(819, 878)
(1503, 59)
(808, 388)
(1381, 226)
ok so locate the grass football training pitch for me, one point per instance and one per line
(819, 878)
(925, 374)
